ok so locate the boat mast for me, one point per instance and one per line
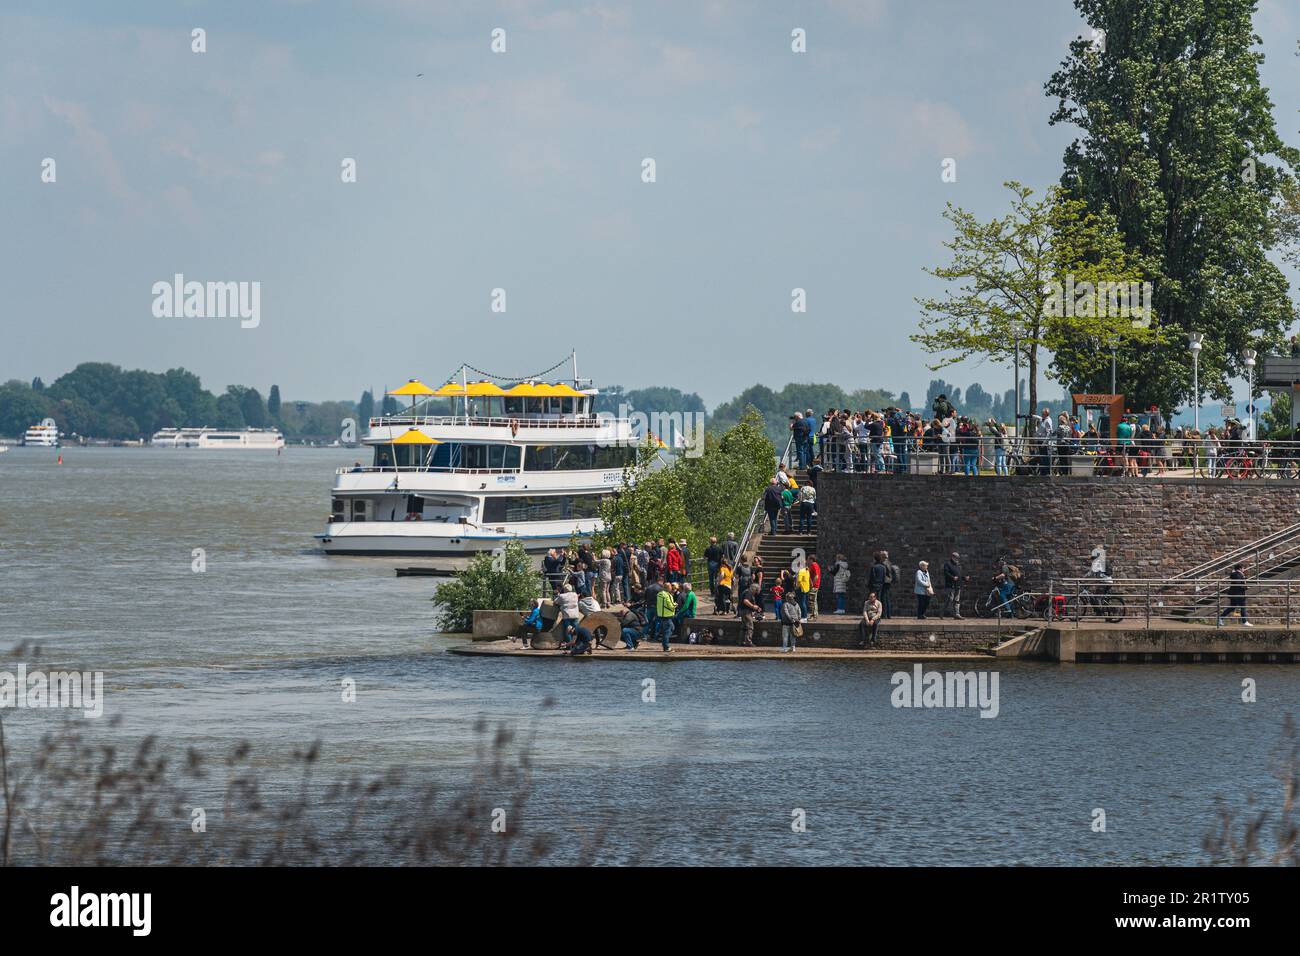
(464, 391)
(574, 355)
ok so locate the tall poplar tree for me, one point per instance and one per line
(1178, 146)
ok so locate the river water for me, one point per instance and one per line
(97, 559)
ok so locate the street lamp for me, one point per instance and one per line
(1015, 333)
(1248, 356)
(1194, 341)
(1114, 346)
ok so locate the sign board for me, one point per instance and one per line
(1229, 411)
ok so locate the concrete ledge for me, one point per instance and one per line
(1173, 642)
(694, 652)
(494, 625)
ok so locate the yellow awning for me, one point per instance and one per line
(473, 390)
(413, 436)
(542, 390)
(413, 387)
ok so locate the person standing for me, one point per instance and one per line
(840, 582)
(1237, 594)
(731, 549)
(750, 612)
(553, 568)
(686, 609)
(790, 627)
(772, 504)
(722, 603)
(807, 508)
(802, 585)
(952, 581)
(814, 583)
(741, 582)
(665, 611)
(923, 588)
(713, 558)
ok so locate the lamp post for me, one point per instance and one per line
(1248, 356)
(1114, 347)
(1194, 341)
(1015, 428)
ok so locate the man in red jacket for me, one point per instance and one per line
(815, 574)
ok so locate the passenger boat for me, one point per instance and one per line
(243, 438)
(44, 435)
(474, 464)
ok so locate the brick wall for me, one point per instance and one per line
(1150, 527)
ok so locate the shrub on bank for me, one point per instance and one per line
(492, 582)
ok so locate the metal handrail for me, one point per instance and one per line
(758, 503)
(435, 469)
(1172, 601)
(1250, 548)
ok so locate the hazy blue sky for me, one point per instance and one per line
(520, 171)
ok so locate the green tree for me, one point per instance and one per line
(1176, 138)
(1035, 280)
(21, 407)
(228, 413)
(273, 403)
(692, 498)
(365, 409)
(491, 582)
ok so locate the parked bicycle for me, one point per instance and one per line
(1095, 598)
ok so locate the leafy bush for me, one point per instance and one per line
(491, 582)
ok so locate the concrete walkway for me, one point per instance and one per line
(717, 652)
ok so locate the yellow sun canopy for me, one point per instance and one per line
(413, 387)
(414, 436)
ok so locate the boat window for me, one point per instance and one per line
(513, 455)
(578, 457)
(514, 406)
(383, 456)
(566, 406)
(505, 508)
(536, 406)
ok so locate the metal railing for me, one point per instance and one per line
(1079, 457)
(756, 513)
(435, 469)
(1278, 549)
(1163, 602)
(521, 421)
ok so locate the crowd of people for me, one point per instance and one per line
(649, 583)
(889, 441)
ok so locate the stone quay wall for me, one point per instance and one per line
(1150, 527)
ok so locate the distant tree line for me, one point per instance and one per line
(100, 400)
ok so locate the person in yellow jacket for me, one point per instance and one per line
(802, 585)
(722, 600)
(665, 610)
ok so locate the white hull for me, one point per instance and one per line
(44, 435)
(253, 439)
(420, 539)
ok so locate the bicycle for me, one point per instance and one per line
(1100, 602)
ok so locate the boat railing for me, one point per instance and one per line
(438, 469)
(522, 421)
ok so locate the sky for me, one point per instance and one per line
(519, 171)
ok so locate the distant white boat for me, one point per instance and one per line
(247, 438)
(44, 435)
